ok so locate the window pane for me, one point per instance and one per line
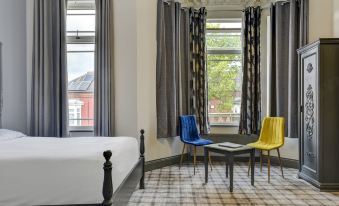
(80, 5)
(81, 12)
(224, 73)
(80, 23)
(79, 63)
(80, 33)
(80, 47)
(224, 25)
(227, 41)
(81, 86)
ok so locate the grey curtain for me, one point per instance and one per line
(104, 73)
(167, 70)
(250, 113)
(292, 17)
(178, 92)
(48, 108)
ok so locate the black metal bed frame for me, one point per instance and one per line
(127, 187)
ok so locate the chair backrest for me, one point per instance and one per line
(272, 131)
(188, 128)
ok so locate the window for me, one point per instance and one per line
(80, 26)
(224, 58)
(75, 112)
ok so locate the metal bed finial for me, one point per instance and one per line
(107, 189)
(142, 157)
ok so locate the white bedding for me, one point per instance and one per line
(43, 170)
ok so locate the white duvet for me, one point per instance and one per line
(50, 171)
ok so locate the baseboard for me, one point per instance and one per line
(163, 162)
(323, 187)
(168, 161)
(290, 163)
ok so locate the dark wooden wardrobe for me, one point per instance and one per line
(319, 113)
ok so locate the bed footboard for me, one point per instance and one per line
(125, 190)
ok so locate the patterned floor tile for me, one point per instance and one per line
(174, 186)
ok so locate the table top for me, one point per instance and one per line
(216, 146)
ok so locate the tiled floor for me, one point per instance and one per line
(171, 186)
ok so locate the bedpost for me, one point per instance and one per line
(107, 189)
(142, 157)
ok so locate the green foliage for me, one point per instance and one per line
(223, 41)
(223, 70)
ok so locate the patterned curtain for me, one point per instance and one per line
(199, 102)
(250, 115)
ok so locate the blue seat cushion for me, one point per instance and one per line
(199, 142)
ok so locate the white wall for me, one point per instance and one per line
(125, 63)
(135, 64)
(335, 18)
(13, 39)
(320, 19)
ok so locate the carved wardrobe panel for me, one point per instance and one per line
(310, 120)
(319, 135)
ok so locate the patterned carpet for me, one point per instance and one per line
(171, 186)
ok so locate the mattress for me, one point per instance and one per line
(46, 170)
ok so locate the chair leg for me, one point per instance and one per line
(182, 156)
(210, 160)
(280, 162)
(260, 160)
(268, 165)
(195, 157)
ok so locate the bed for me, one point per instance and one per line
(69, 171)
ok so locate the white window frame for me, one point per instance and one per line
(80, 5)
(224, 51)
(75, 105)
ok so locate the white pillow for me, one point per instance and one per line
(6, 134)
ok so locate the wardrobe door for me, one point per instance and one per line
(310, 70)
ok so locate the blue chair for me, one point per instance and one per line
(189, 135)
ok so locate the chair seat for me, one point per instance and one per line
(264, 146)
(199, 142)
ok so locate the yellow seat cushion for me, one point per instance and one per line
(264, 146)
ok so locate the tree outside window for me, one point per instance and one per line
(224, 58)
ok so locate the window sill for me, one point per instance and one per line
(81, 130)
(224, 125)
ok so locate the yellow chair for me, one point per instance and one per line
(271, 137)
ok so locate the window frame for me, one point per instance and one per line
(79, 39)
(223, 52)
